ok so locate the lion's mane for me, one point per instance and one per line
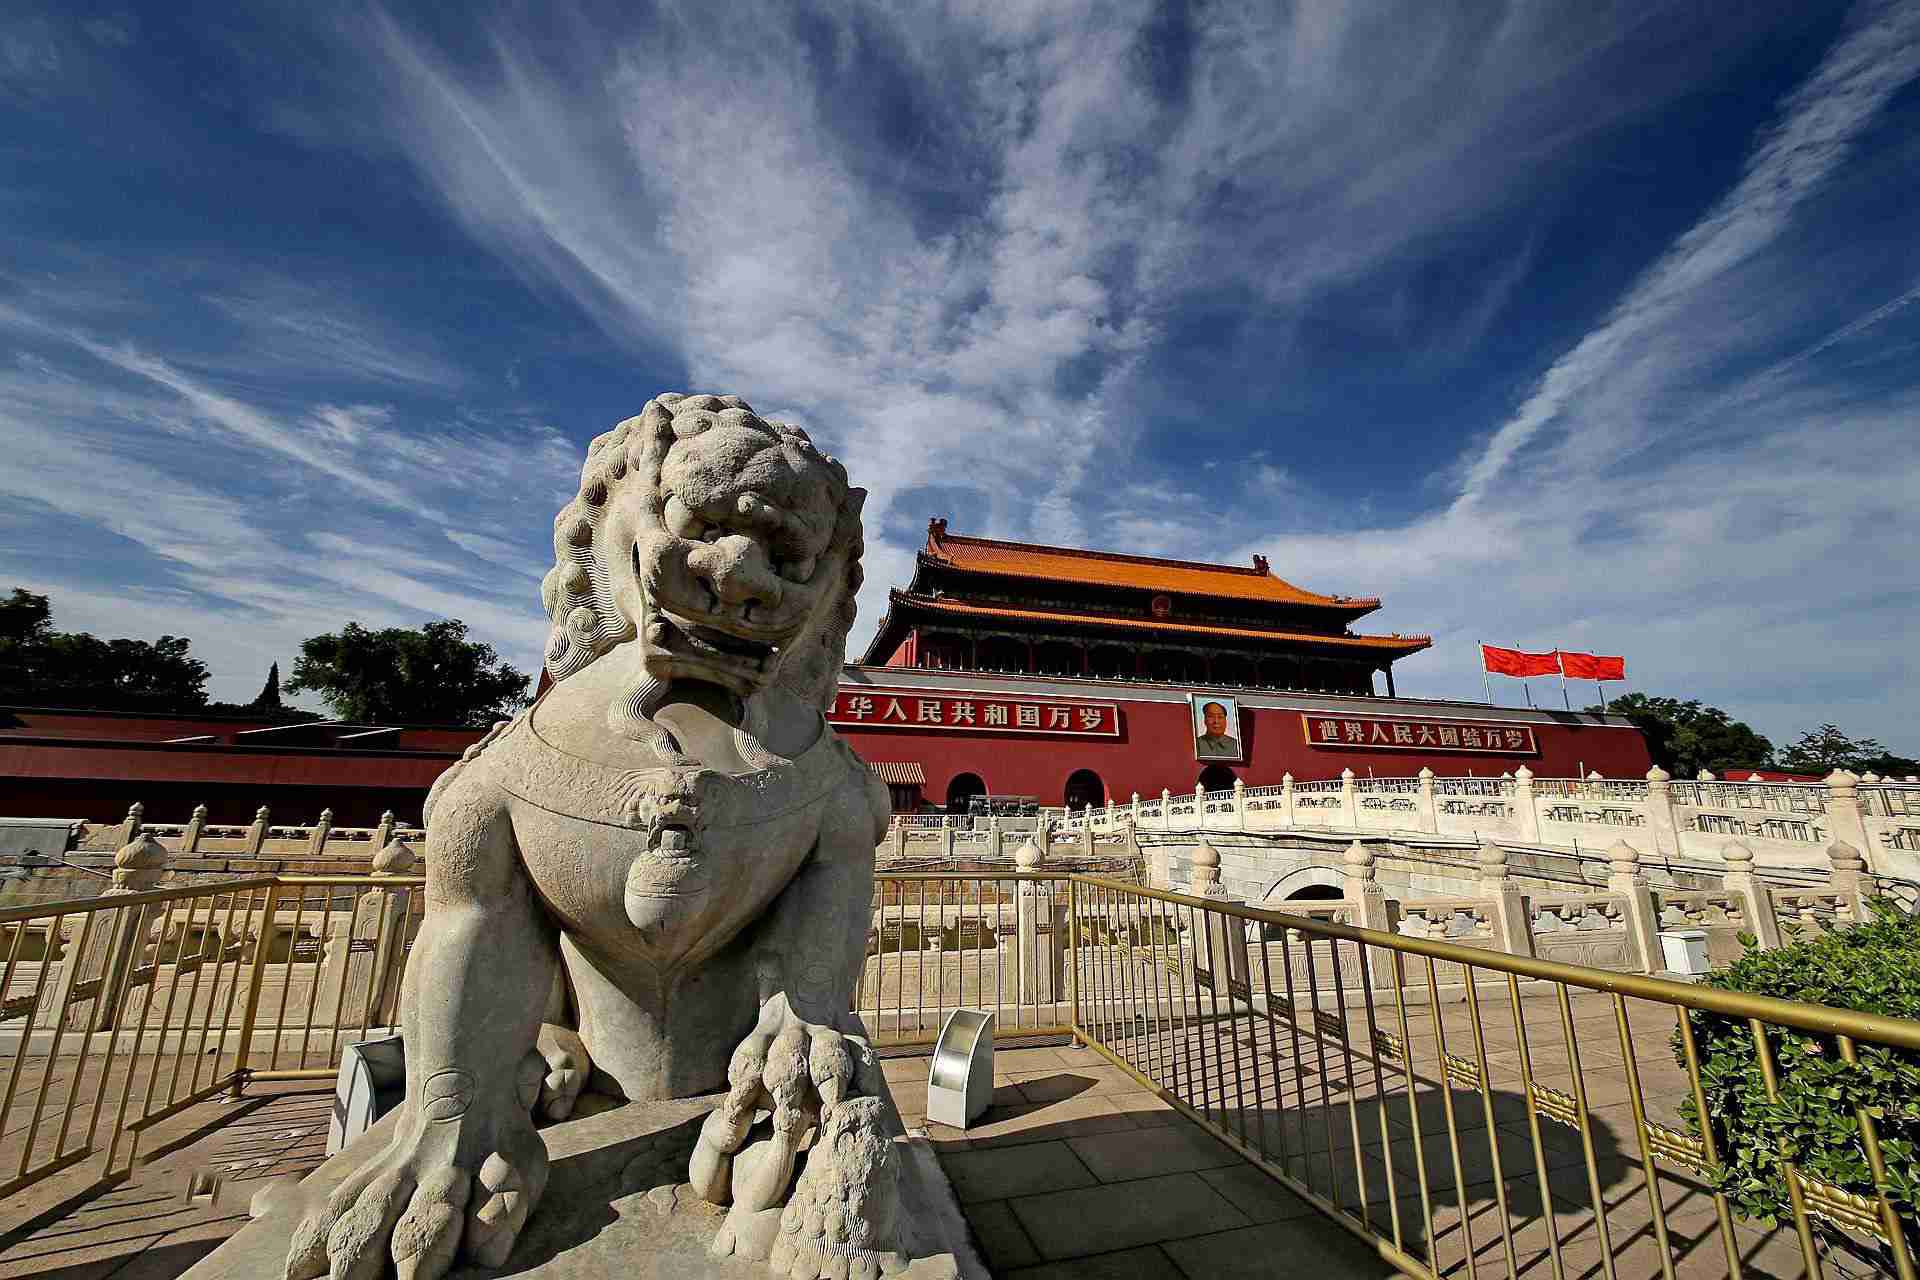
(578, 591)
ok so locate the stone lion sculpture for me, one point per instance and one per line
(657, 879)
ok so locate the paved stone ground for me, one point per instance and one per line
(145, 1228)
(1078, 1171)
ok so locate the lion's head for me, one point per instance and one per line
(727, 545)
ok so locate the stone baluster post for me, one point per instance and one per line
(1220, 954)
(1239, 804)
(115, 945)
(130, 825)
(1086, 834)
(947, 824)
(1526, 813)
(317, 843)
(383, 833)
(257, 833)
(1166, 809)
(1200, 806)
(1642, 920)
(1741, 881)
(996, 846)
(1136, 810)
(1429, 815)
(899, 835)
(1349, 800)
(360, 962)
(1507, 909)
(190, 838)
(1360, 885)
(1844, 819)
(1038, 939)
(1849, 877)
(1286, 796)
(1662, 827)
(1706, 775)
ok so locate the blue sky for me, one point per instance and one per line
(1587, 325)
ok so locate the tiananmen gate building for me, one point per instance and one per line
(1073, 677)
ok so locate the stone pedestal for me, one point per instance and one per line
(616, 1207)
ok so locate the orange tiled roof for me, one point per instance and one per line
(1112, 569)
(899, 773)
(1406, 644)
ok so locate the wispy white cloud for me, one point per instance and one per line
(1819, 123)
(998, 342)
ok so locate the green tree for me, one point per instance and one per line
(43, 667)
(1826, 748)
(1686, 737)
(400, 675)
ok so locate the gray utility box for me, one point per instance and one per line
(960, 1081)
(372, 1082)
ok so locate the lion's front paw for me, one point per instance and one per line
(416, 1204)
(799, 1071)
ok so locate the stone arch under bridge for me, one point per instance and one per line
(1300, 878)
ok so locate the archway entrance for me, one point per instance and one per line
(963, 788)
(1315, 893)
(1216, 777)
(1085, 788)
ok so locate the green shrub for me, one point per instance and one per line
(1873, 967)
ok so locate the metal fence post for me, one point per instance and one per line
(249, 1013)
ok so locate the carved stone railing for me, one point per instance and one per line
(1452, 919)
(1786, 824)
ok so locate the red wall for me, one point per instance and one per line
(1155, 750)
(67, 778)
(114, 726)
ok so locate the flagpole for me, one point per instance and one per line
(1486, 680)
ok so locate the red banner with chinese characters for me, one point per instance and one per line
(1398, 733)
(1591, 666)
(1518, 662)
(974, 713)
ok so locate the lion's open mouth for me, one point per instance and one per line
(683, 638)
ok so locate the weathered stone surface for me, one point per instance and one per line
(666, 863)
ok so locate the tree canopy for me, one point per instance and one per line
(1686, 737)
(1825, 748)
(400, 675)
(43, 667)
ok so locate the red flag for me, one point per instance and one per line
(1518, 662)
(1587, 666)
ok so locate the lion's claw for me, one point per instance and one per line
(410, 1205)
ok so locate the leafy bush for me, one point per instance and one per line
(1873, 967)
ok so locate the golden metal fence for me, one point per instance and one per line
(941, 941)
(1464, 1110)
(120, 1012)
(1458, 1108)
